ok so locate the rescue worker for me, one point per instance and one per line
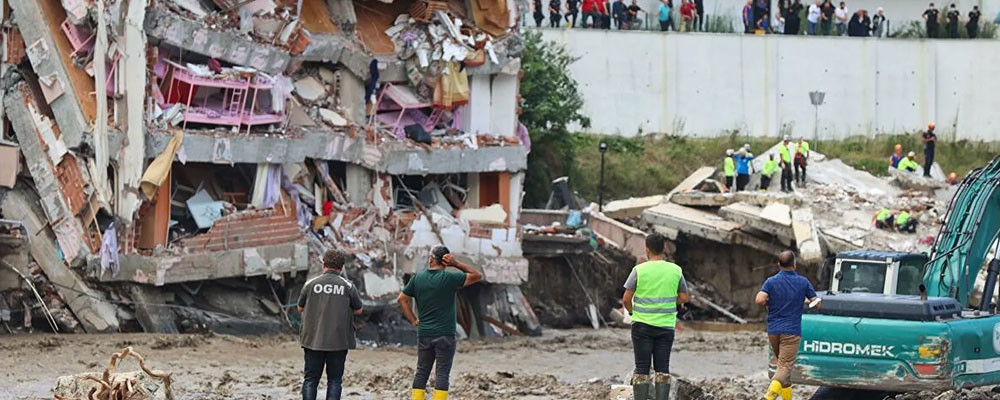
(783, 294)
(770, 167)
(729, 168)
(930, 142)
(328, 304)
(434, 289)
(909, 164)
(653, 292)
(786, 165)
(905, 222)
(884, 219)
(742, 169)
(896, 157)
(801, 156)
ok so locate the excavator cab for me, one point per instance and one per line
(884, 272)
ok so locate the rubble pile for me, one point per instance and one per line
(231, 143)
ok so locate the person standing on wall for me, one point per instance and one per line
(952, 19)
(793, 19)
(633, 14)
(742, 169)
(930, 142)
(653, 292)
(573, 9)
(663, 13)
(972, 26)
(784, 295)
(688, 16)
(434, 290)
(786, 164)
(328, 304)
(813, 15)
(620, 15)
(748, 22)
(555, 13)
(699, 7)
(539, 17)
(878, 23)
(931, 16)
(842, 18)
(828, 11)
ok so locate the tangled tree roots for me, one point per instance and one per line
(145, 384)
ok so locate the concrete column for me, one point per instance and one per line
(133, 154)
(476, 115)
(516, 188)
(472, 196)
(352, 93)
(343, 14)
(503, 107)
(358, 184)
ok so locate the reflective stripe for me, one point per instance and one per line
(653, 300)
(668, 310)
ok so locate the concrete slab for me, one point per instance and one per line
(806, 236)
(692, 221)
(702, 199)
(915, 181)
(631, 207)
(151, 309)
(95, 313)
(692, 181)
(166, 269)
(750, 216)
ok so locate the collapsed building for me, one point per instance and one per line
(181, 165)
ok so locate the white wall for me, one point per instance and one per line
(712, 84)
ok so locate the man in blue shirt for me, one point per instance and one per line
(784, 296)
(742, 169)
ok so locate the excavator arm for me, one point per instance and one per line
(971, 226)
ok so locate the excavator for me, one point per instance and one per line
(895, 322)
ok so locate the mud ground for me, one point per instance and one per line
(563, 364)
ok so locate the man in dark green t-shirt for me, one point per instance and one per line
(434, 290)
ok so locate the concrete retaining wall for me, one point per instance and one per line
(714, 84)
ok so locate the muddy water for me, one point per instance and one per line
(563, 364)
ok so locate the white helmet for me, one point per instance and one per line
(729, 152)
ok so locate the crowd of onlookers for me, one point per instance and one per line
(605, 14)
(793, 17)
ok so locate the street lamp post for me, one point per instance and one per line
(603, 147)
(816, 98)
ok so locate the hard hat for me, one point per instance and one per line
(930, 125)
(952, 176)
(743, 151)
(746, 146)
(912, 154)
(899, 147)
(729, 152)
(787, 138)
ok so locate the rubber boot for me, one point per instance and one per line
(773, 390)
(440, 395)
(662, 386)
(640, 387)
(419, 394)
(786, 393)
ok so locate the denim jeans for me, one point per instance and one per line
(431, 350)
(811, 28)
(651, 342)
(315, 361)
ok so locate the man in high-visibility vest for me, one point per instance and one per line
(909, 164)
(770, 167)
(653, 291)
(784, 294)
(905, 222)
(786, 165)
(883, 220)
(729, 168)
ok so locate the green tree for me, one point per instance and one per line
(550, 102)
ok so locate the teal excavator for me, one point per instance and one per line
(896, 322)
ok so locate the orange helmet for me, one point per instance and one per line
(930, 125)
(952, 177)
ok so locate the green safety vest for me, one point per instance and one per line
(786, 155)
(902, 218)
(883, 214)
(906, 164)
(729, 166)
(804, 148)
(655, 299)
(770, 166)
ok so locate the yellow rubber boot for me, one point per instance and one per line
(440, 395)
(419, 394)
(786, 393)
(773, 390)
